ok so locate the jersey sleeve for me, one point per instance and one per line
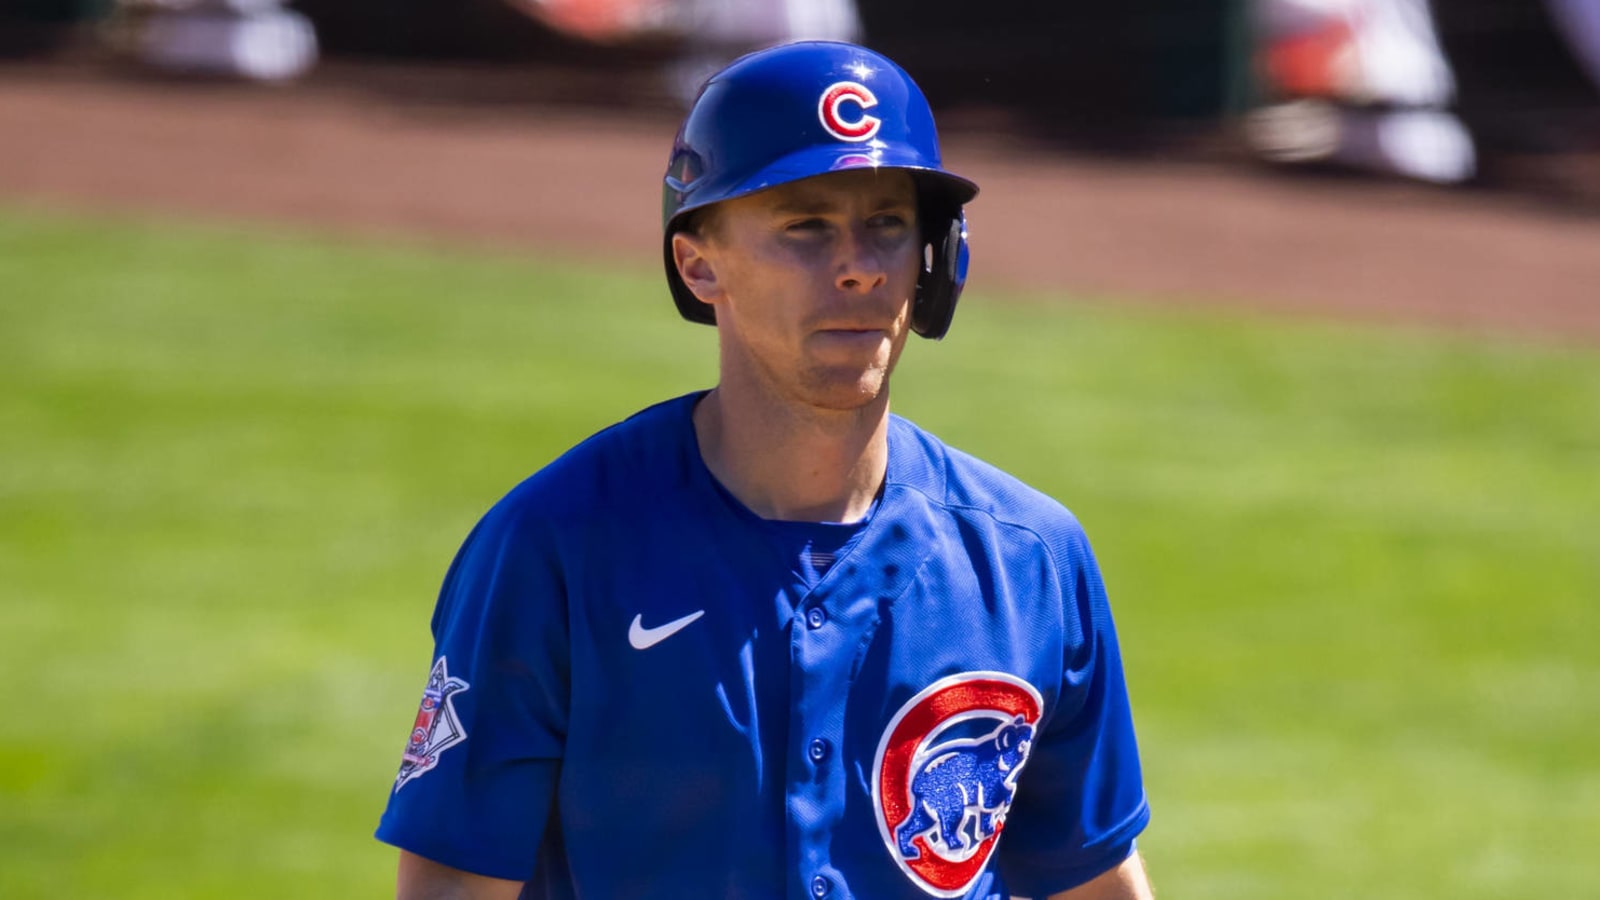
(478, 774)
(1081, 799)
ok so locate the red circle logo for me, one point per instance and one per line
(946, 773)
(830, 110)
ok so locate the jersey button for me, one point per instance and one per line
(818, 750)
(820, 886)
(815, 617)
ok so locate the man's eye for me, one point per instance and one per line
(888, 220)
(806, 226)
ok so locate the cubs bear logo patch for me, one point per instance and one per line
(437, 727)
(945, 775)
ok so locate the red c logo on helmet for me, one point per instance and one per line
(834, 97)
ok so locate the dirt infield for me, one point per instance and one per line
(369, 151)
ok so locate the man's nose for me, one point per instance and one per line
(862, 261)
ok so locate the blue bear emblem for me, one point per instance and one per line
(963, 788)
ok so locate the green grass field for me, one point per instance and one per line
(1357, 571)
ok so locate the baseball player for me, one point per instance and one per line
(768, 640)
(1362, 83)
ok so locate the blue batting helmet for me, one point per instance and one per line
(808, 108)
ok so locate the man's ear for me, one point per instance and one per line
(691, 254)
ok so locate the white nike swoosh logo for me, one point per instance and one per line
(643, 638)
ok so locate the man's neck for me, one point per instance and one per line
(791, 462)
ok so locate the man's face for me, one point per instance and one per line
(812, 282)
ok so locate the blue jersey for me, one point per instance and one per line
(637, 691)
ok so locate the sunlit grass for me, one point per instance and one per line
(1356, 571)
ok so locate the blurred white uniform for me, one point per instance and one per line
(254, 39)
(717, 31)
(713, 32)
(1380, 51)
(1359, 82)
(759, 22)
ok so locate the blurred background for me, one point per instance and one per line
(1294, 302)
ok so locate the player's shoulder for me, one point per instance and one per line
(635, 462)
(963, 484)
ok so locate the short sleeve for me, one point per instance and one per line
(478, 774)
(1081, 799)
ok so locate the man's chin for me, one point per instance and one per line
(847, 391)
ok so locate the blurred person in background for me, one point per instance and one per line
(258, 40)
(1370, 85)
(1363, 83)
(714, 32)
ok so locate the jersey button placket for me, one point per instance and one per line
(817, 788)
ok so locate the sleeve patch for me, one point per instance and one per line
(437, 727)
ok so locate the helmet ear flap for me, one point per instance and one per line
(943, 275)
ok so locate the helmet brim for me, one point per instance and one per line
(818, 161)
